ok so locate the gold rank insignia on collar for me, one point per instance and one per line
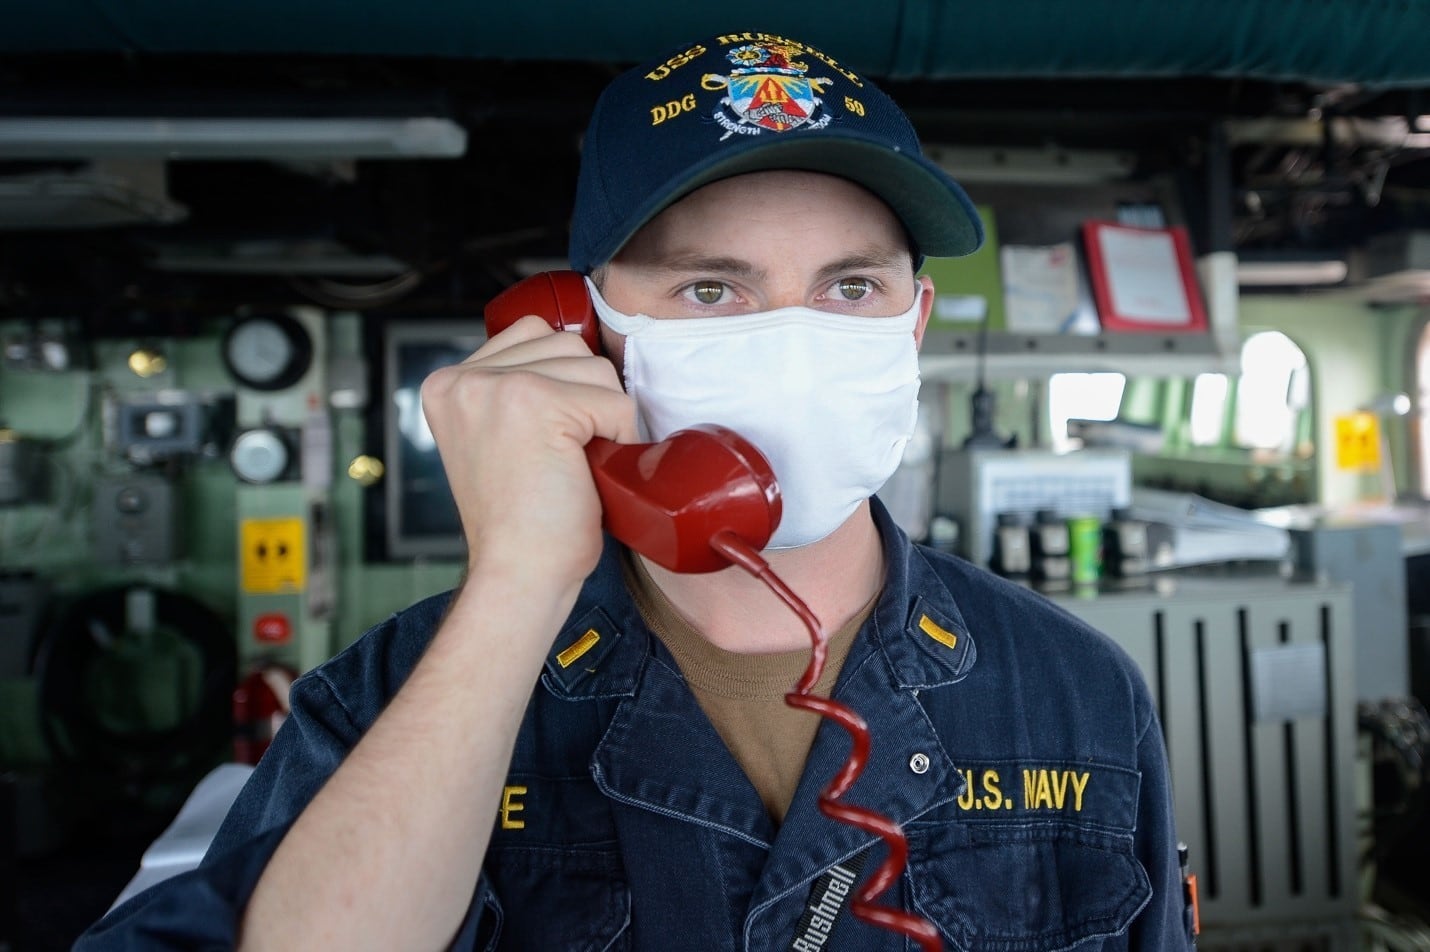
(584, 660)
(937, 632)
(937, 647)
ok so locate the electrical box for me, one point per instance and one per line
(134, 521)
(975, 486)
(1368, 556)
(157, 426)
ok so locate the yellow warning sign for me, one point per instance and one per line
(273, 555)
(1358, 441)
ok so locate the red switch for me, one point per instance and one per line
(273, 629)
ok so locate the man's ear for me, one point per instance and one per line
(925, 308)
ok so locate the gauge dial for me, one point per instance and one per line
(267, 352)
(259, 456)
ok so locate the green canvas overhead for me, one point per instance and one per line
(1371, 42)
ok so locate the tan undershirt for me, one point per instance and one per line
(743, 694)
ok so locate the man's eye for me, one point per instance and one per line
(707, 292)
(853, 289)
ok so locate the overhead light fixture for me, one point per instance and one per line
(1032, 166)
(1394, 267)
(1393, 131)
(287, 256)
(95, 194)
(1290, 273)
(83, 137)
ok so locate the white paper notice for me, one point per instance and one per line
(969, 308)
(1040, 287)
(1143, 276)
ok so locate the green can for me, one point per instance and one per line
(1085, 549)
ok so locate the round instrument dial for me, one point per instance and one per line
(267, 352)
(259, 456)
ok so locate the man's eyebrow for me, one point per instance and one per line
(684, 264)
(863, 261)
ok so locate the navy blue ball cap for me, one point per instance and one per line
(749, 102)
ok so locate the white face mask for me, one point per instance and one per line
(830, 399)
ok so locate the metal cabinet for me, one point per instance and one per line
(1255, 681)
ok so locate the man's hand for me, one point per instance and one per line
(511, 423)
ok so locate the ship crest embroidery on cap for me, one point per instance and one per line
(768, 91)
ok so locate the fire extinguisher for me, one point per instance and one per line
(260, 705)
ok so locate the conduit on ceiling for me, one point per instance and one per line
(1370, 42)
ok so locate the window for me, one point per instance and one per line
(1081, 397)
(1273, 389)
(1265, 409)
(1267, 404)
(1208, 412)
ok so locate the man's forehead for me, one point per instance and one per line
(748, 209)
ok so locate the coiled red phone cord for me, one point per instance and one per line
(896, 920)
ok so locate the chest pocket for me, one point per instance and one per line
(560, 899)
(1031, 858)
(556, 869)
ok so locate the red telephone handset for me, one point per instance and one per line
(666, 500)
